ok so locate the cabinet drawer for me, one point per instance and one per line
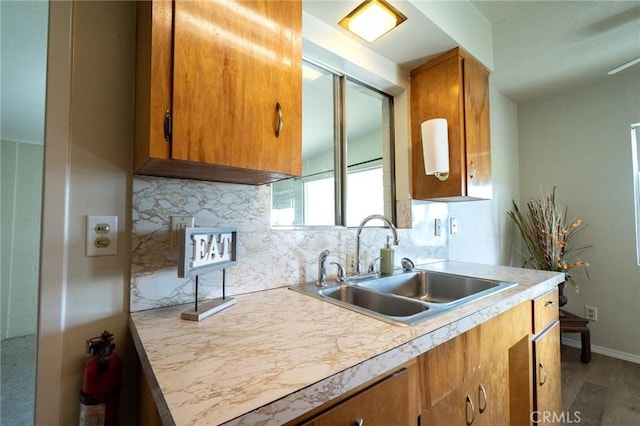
(384, 403)
(545, 310)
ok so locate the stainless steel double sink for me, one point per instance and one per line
(406, 297)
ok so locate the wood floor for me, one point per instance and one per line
(604, 392)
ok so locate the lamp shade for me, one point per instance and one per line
(435, 146)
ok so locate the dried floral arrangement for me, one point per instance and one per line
(547, 236)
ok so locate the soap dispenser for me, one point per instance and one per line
(387, 255)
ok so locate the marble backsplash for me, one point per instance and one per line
(266, 257)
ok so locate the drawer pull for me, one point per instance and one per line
(359, 422)
(466, 411)
(542, 374)
(280, 117)
(482, 398)
(549, 304)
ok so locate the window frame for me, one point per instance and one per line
(341, 168)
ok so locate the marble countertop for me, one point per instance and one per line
(277, 354)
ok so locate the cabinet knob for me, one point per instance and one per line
(549, 304)
(472, 170)
(466, 411)
(279, 119)
(542, 374)
(482, 398)
(359, 422)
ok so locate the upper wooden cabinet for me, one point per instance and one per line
(456, 87)
(218, 90)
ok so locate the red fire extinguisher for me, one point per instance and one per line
(101, 383)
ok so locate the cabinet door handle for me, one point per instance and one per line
(168, 126)
(542, 374)
(549, 304)
(359, 422)
(280, 119)
(482, 399)
(472, 170)
(466, 411)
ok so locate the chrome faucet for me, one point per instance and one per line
(364, 221)
(322, 269)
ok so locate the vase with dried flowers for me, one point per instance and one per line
(547, 237)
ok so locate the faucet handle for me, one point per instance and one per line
(340, 274)
(372, 265)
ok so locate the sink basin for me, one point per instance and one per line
(436, 287)
(374, 301)
(406, 298)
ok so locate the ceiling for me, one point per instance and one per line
(539, 47)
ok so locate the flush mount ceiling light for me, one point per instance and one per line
(371, 19)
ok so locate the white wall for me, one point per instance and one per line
(580, 141)
(484, 230)
(88, 161)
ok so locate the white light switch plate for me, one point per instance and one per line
(453, 225)
(101, 236)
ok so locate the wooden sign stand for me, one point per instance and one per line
(202, 250)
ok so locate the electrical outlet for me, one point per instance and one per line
(178, 222)
(591, 313)
(101, 236)
(351, 263)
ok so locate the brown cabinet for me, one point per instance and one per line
(456, 87)
(547, 396)
(384, 403)
(481, 400)
(218, 90)
(546, 363)
(468, 379)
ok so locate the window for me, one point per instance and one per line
(347, 155)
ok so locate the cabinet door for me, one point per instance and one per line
(456, 87)
(236, 78)
(492, 394)
(477, 130)
(546, 371)
(436, 92)
(483, 400)
(385, 403)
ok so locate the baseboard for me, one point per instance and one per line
(604, 351)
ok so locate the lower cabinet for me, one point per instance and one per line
(547, 396)
(482, 400)
(468, 380)
(384, 403)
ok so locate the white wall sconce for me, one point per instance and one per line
(435, 148)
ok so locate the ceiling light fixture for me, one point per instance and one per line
(624, 66)
(372, 19)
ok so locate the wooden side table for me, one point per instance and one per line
(570, 323)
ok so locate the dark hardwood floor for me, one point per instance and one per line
(604, 392)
